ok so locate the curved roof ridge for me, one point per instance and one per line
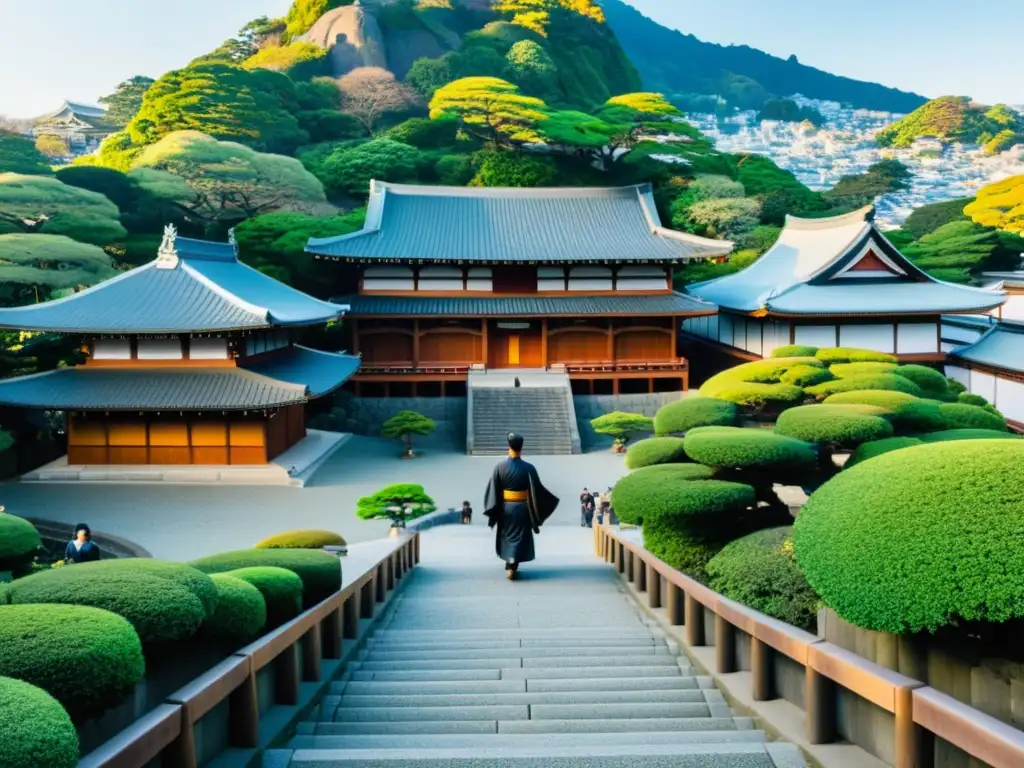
(864, 214)
(429, 190)
(223, 292)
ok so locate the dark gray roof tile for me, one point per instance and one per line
(535, 306)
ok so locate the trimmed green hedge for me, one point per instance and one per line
(942, 524)
(955, 386)
(735, 447)
(845, 425)
(907, 413)
(867, 451)
(654, 490)
(281, 590)
(684, 544)
(87, 658)
(755, 395)
(195, 581)
(968, 399)
(847, 370)
(961, 416)
(241, 610)
(950, 435)
(887, 399)
(760, 571)
(306, 539)
(19, 543)
(320, 571)
(768, 371)
(884, 381)
(37, 732)
(806, 375)
(159, 609)
(683, 415)
(655, 450)
(794, 350)
(833, 355)
(931, 382)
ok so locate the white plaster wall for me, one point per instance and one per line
(816, 335)
(208, 349)
(1013, 309)
(917, 338)
(440, 279)
(388, 278)
(754, 327)
(641, 279)
(876, 337)
(590, 279)
(112, 349)
(725, 329)
(983, 384)
(960, 374)
(160, 349)
(1010, 399)
(712, 326)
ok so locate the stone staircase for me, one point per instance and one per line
(556, 670)
(541, 411)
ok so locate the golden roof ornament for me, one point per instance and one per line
(167, 255)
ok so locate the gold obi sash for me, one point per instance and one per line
(515, 495)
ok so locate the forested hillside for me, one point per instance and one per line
(957, 118)
(689, 71)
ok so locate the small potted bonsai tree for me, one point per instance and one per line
(403, 425)
(622, 426)
(398, 503)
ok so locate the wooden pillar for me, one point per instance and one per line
(911, 747)
(415, 343)
(483, 342)
(610, 351)
(630, 565)
(244, 715)
(544, 343)
(640, 574)
(725, 646)
(820, 703)
(653, 587)
(694, 621)
(286, 676)
(355, 337)
(350, 616)
(762, 687)
(312, 650)
(615, 385)
(367, 601)
(674, 604)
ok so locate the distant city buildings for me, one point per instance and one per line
(845, 146)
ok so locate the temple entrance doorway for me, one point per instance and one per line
(514, 344)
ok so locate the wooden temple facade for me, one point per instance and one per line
(190, 360)
(444, 281)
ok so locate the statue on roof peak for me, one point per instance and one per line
(167, 255)
(232, 240)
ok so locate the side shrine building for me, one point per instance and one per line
(833, 282)
(190, 360)
(443, 281)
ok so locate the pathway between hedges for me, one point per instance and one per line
(555, 670)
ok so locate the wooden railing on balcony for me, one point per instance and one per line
(919, 713)
(624, 366)
(280, 661)
(407, 366)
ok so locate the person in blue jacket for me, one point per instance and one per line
(81, 549)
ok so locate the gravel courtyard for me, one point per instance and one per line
(182, 522)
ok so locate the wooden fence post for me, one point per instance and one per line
(366, 599)
(694, 621)
(381, 581)
(311, 655)
(653, 587)
(350, 616)
(286, 676)
(820, 703)
(762, 687)
(244, 714)
(639, 573)
(674, 604)
(725, 645)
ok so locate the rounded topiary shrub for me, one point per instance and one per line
(907, 413)
(320, 571)
(653, 490)
(37, 732)
(655, 450)
(806, 375)
(794, 350)
(961, 416)
(241, 610)
(884, 381)
(195, 581)
(735, 447)
(931, 382)
(887, 399)
(683, 415)
(159, 609)
(281, 590)
(950, 435)
(19, 543)
(760, 571)
(311, 539)
(920, 538)
(968, 399)
(843, 425)
(833, 355)
(87, 658)
(846, 370)
(867, 451)
(756, 395)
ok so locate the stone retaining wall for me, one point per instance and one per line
(591, 406)
(366, 416)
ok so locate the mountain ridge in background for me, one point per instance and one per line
(693, 73)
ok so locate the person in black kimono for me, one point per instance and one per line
(517, 504)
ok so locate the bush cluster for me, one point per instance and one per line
(932, 383)
(87, 658)
(19, 543)
(281, 590)
(759, 384)
(843, 425)
(760, 571)
(833, 355)
(794, 350)
(320, 571)
(807, 375)
(883, 381)
(36, 729)
(849, 370)
(655, 450)
(951, 435)
(241, 610)
(690, 412)
(943, 525)
(735, 447)
(654, 490)
(195, 581)
(306, 539)
(874, 448)
(962, 416)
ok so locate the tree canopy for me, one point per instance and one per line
(1000, 205)
(228, 181)
(52, 146)
(491, 109)
(126, 100)
(385, 503)
(32, 267)
(19, 155)
(42, 204)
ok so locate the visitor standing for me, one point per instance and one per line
(586, 507)
(467, 513)
(604, 504)
(81, 549)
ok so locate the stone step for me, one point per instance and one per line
(591, 673)
(518, 661)
(651, 756)
(516, 673)
(379, 653)
(521, 685)
(472, 645)
(429, 675)
(522, 633)
(351, 700)
(630, 725)
(524, 712)
(516, 740)
(393, 714)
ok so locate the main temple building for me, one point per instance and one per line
(190, 360)
(443, 281)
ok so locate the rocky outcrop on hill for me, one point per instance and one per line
(353, 38)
